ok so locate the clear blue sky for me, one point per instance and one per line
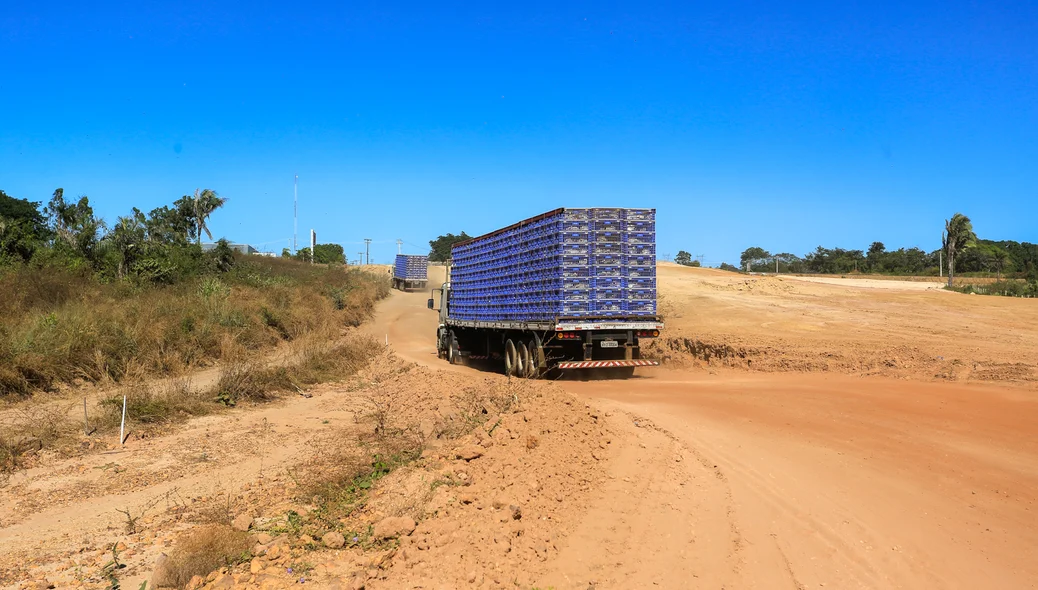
(824, 123)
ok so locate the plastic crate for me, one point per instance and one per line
(632, 261)
(641, 307)
(606, 213)
(608, 283)
(575, 237)
(635, 237)
(607, 260)
(609, 305)
(606, 248)
(576, 271)
(641, 294)
(607, 236)
(640, 226)
(640, 249)
(640, 214)
(584, 283)
(572, 307)
(607, 225)
(575, 214)
(641, 271)
(615, 270)
(641, 282)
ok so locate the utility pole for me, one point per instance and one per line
(367, 250)
(776, 265)
(313, 246)
(295, 215)
(399, 246)
(360, 258)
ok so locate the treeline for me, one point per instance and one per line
(161, 246)
(999, 258)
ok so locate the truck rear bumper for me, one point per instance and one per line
(605, 364)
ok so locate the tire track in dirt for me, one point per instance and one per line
(660, 520)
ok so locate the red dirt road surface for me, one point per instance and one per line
(813, 479)
(799, 435)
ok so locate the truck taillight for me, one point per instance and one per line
(648, 333)
(568, 335)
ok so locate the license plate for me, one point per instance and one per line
(609, 344)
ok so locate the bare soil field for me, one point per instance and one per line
(799, 435)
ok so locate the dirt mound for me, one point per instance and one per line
(493, 488)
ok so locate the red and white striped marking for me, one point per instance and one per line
(606, 364)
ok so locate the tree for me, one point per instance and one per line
(440, 248)
(958, 235)
(683, 258)
(753, 256)
(205, 202)
(999, 256)
(329, 254)
(23, 228)
(286, 253)
(730, 267)
(74, 225)
(127, 239)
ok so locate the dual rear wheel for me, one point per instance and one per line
(523, 359)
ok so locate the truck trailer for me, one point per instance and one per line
(570, 289)
(410, 271)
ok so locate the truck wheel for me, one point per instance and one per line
(536, 358)
(524, 360)
(453, 350)
(511, 358)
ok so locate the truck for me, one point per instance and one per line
(410, 271)
(570, 289)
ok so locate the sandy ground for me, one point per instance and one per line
(800, 435)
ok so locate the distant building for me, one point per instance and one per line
(239, 248)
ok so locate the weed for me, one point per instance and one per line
(204, 550)
(110, 570)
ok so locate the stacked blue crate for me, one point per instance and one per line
(411, 267)
(639, 237)
(571, 263)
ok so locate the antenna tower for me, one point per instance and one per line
(295, 214)
(399, 246)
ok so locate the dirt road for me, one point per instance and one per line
(805, 480)
(800, 435)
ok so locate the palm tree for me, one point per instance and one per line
(127, 238)
(205, 202)
(999, 256)
(958, 235)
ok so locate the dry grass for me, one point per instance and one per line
(203, 550)
(314, 361)
(58, 327)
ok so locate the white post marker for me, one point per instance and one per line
(122, 427)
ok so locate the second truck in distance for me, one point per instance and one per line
(569, 289)
(410, 271)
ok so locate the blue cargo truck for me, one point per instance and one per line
(410, 272)
(568, 289)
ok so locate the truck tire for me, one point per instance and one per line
(523, 354)
(453, 350)
(511, 358)
(536, 358)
